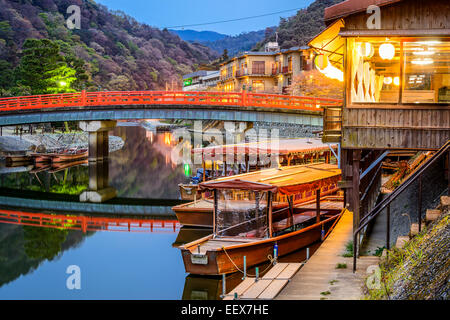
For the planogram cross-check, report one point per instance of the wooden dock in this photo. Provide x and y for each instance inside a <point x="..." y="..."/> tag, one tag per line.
<point x="320" y="279"/>
<point x="268" y="286"/>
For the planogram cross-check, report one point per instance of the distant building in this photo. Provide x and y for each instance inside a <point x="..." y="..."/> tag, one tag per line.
<point x="270" y="72"/>
<point x="200" y="80"/>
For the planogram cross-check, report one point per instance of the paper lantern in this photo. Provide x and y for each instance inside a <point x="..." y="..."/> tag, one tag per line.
<point x="387" y="80"/>
<point x="366" y="49"/>
<point x="397" y="81"/>
<point x="387" y="51"/>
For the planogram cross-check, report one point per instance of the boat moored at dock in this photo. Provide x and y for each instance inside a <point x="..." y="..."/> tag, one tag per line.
<point x="245" y="222"/>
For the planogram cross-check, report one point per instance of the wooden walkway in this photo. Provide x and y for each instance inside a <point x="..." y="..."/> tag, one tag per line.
<point x="267" y="287"/>
<point x="319" y="278"/>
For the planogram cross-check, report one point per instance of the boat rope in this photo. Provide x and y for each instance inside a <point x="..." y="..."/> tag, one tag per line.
<point x="269" y="257"/>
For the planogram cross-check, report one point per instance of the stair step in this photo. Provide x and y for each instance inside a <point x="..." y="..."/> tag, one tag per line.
<point x="432" y="214"/>
<point x="445" y="201"/>
<point x="401" y="241"/>
<point x="415" y="229"/>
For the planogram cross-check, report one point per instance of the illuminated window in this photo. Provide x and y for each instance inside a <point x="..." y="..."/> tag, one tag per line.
<point x="258" y="85"/>
<point x="375" y="71"/>
<point x="427" y="72"/>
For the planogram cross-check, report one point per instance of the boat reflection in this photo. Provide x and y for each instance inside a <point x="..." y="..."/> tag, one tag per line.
<point x="187" y="234"/>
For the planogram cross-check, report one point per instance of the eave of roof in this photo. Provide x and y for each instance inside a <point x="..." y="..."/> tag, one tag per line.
<point x="350" y="7"/>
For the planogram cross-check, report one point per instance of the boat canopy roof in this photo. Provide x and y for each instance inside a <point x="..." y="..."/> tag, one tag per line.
<point x="273" y="146"/>
<point x="284" y="180"/>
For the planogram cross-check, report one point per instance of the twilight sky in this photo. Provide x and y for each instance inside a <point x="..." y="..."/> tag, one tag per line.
<point x="168" y="13"/>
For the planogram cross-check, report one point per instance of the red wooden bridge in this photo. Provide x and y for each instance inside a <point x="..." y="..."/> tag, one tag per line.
<point x="88" y="223"/>
<point x="125" y="98"/>
<point x="229" y="106"/>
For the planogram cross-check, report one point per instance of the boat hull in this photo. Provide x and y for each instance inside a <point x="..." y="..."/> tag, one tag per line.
<point x="219" y="261"/>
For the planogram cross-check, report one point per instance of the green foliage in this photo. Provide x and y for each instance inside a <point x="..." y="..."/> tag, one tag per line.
<point x="298" y="30"/>
<point x="341" y="266"/>
<point x="43" y="243"/>
<point x="379" y="251"/>
<point x="348" y="249"/>
<point x="43" y="69"/>
<point x="7" y="76"/>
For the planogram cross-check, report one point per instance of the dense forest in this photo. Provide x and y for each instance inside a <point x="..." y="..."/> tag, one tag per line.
<point x="298" y="30"/>
<point x="111" y="51"/>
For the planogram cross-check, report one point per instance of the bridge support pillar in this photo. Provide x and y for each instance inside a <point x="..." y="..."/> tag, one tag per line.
<point x="99" y="190"/>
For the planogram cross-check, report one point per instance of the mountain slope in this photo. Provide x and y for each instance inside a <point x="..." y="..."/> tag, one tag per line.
<point x="198" y="36"/>
<point x="298" y="30"/>
<point x="119" y="52"/>
<point x="242" y="42"/>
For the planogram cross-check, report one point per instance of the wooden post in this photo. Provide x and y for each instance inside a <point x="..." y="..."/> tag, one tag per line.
<point x="204" y="168"/>
<point x="269" y="200"/>
<point x="355" y="200"/>
<point x="448" y="171"/>
<point x="318" y="205"/>
<point x="215" y="211"/>
<point x="388" y="226"/>
<point x="419" y="204"/>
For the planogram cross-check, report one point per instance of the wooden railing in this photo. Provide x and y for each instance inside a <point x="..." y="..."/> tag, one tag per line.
<point x="157" y="98"/>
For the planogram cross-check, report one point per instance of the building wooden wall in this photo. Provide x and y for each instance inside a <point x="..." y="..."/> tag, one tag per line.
<point x="407" y="15"/>
<point x="400" y="128"/>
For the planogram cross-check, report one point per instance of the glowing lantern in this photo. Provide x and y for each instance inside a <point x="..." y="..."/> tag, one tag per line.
<point x="321" y="61"/>
<point x="366" y="49"/>
<point x="387" y="80"/>
<point x="397" y="81"/>
<point x="324" y="66"/>
<point x="387" y="51"/>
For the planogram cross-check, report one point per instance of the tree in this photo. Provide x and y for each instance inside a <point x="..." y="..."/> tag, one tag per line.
<point x="6" y="77"/>
<point x="43" y="68"/>
<point x="225" y="55"/>
<point x="315" y="84"/>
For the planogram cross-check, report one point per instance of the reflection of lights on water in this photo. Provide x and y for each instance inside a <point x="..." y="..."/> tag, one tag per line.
<point x="187" y="170"/>
<point x="167" y="138"/>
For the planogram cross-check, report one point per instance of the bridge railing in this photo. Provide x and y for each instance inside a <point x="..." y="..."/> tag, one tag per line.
<point x="121" y="98"/>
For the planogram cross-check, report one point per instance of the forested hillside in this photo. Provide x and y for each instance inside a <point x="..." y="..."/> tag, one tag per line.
<point x="114" y="50"/>
<point x="299" y="29"/>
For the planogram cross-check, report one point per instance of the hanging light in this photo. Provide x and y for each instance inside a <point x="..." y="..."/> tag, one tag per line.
<point x="325" y="67"/>
<point x="366" y="49"/>
<point x="397" y="81"/>
<point x="423" y="61"/>
<point x="387" y="51"/>
<point x="387" y="80"/>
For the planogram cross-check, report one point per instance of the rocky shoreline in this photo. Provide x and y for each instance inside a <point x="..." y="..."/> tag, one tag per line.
<point x="50" y="142"/>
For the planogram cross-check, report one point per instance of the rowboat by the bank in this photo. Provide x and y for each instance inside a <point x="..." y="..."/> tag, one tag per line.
<point x="246" y="224"/>
<point x="58" y="157"/>
<point x="200" y="212"/>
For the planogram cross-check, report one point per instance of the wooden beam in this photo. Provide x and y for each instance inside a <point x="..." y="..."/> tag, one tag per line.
<point x="355" y="201"/>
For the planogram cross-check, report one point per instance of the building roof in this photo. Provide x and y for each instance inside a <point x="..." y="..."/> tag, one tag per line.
<point x="264" y="53"/>
<point x="280" y="147"/>
<point x="199" y="73"/>
<point x="349" y="7"/>
<point x="285" y="180"/>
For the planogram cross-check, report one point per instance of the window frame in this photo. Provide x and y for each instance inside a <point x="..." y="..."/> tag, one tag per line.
<point x="401" y="40"/>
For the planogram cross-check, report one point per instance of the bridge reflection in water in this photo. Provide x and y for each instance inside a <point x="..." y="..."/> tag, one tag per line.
<point x="89" y="223"/>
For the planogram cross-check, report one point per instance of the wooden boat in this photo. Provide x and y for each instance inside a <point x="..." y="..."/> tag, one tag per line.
<point x="286" y="152"/>
<point x="200" y="212"/>
<point x="248" y="226"/>
<point x="69" y="156"/>
<point x="17" y="160"/>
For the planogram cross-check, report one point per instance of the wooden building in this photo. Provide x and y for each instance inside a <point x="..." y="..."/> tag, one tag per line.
<point x="395" y="60"/>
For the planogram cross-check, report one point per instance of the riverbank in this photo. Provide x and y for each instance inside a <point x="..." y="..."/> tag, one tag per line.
<point x="50" y="142"/>
<point x="421" y="269"/>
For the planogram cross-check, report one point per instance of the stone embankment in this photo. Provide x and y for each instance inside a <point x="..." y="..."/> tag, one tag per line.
<point x="51" y="142"/>
<point x="419" y="270"/>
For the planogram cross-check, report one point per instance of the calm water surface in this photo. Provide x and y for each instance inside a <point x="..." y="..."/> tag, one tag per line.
<point x="135" y="264"/>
